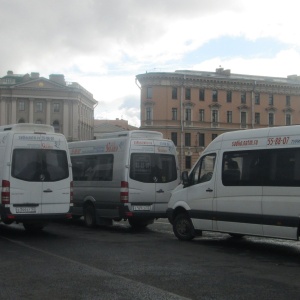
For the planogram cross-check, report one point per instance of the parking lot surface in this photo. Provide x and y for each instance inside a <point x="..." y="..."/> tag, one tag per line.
<point x="69" y="261"/>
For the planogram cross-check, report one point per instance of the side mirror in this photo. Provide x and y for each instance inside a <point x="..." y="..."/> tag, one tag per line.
<point x="185" y="178"/>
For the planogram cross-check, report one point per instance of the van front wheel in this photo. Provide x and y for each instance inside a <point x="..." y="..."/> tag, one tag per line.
<point x="90" y="216"/>
<point x="183" y="227"/>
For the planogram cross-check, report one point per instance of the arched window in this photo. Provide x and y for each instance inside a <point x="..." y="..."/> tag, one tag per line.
<point x="56" y="126"/>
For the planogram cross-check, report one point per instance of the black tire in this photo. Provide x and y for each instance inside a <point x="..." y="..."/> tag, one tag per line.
<point x="139" y="224"/>
<point x="90" y="216"/>
<point x="236" y="235"/>
<point x="183" y="227"/>
<point x="34" y="227"/>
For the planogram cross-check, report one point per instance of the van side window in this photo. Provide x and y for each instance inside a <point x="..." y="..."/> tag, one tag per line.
<point x="284" y="168"/>
<point x="274" y="167"/>
<point x="150" y="168"/>
<point x="242" y="168"/>
<point x="93" y="167"/>
<point x="204" y="169"/>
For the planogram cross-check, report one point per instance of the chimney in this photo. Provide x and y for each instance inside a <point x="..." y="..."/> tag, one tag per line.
<point x="35" y="75"/>
<point x="10" y="72"/>
<point x="58" y="78"/>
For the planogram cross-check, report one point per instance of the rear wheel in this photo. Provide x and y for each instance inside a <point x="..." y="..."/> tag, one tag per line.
<point x="34" y="226"/>
<point x="138" y="223"/>
<point x="183" y="227"/>
<point x="90" y="216"/>
<point x="236" y="235"/>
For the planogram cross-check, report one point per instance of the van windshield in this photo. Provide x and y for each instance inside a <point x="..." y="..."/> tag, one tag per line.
<point x="150" y="168"/>
<point x="39" y="165"/>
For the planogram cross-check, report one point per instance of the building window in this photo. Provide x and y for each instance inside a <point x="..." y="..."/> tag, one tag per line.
<point x="21" y="105"/>
<point x="229" y="116"/>
<point x="201" y="139"/>
<point x="229" y="96"/>
<point x="38" y="106"/>
<point x="56" y="126"/>
<point x="243" y="97"/>
<point x="56" y="107"/>
<point x="21" y="120"/>
<point x="271" y="99"/>
<point x="174" y="93"/>
<point x="215" y="116"/>
<point x="187" y="94"/>
<point x="213" y="136"/>
<point x="215" y="96"/>
<point x="288" y="101"/>
<point x="188" y="114"/>
<point x="288" y="119"/>
<point x="257" y="118"/>
<point x="174" y="113"/>
<point x="243" y="119"/>
<point x="201" y="94"/>
<point x="149" y="92"/>
<point x="174" y="138"/>
<point x="271" y="119"/>
<point x="38" y="121"/>
<point x="188" y="162"/>
<point x="148" y="113"/>
<point x="187" y="139"/>
<point x="201" y="115"/>
<point x="257" y="98"/>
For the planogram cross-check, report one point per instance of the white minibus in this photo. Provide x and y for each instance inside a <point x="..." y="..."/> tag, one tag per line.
<point x="245" y="183"/>
<point x="127" y="175"/>
<point x="35" y="175"/>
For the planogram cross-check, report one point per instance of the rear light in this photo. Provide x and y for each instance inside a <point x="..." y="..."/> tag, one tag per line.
<point x="124" y="192"/>
<point x="5" y="192"/>
<point x="71" y="193"/>
<point x="68" y="216"/>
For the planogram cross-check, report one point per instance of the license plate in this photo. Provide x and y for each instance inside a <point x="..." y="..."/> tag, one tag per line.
<point x="142" y="207"/>
<point x="24" y="210"/>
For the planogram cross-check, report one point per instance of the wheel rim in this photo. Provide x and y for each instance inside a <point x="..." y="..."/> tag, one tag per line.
<point x="183" y="227"/>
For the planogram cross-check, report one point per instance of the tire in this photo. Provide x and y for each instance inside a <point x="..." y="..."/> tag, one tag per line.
<point x="90" y="216"/>
<point x="139" y="224"/>
<point x="34" y="227"/>
<point x="236" y="235"/>
<point x="183" y="227"/>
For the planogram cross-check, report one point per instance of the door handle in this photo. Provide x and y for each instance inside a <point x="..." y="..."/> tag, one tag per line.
<point x="48" y="191"/>
<point x="160" y="191"/>
<point x="209" y="190"/>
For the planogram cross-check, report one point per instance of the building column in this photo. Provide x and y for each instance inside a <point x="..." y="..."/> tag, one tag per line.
<point x="65" y="119"/>
<point x="48" y="111"/>
<point x="3" y="115"/>
<point x="31" y="110"/>
<point x="13" y="110"/>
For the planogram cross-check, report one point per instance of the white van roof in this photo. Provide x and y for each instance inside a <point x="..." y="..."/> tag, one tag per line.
<point x="253" y="134"/>
<point x="143" y="134"/>
<point x="28" y="127"/>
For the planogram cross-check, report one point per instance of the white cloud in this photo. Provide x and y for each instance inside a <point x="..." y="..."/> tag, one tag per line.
<point x="103" y="44"/>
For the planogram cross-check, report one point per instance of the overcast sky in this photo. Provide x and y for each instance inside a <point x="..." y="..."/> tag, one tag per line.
<point x="104" y="44"/>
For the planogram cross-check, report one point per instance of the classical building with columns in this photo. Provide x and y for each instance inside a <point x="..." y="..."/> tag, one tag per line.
<point x="29" y="98"/>
<point x="193" y="107"/>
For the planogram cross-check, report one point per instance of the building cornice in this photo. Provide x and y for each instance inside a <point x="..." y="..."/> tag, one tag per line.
<point x="268" y="85"/>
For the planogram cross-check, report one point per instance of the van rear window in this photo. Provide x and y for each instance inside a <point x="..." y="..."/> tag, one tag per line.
<point x="150" y="168"/>
<point x="39" y="165"/>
